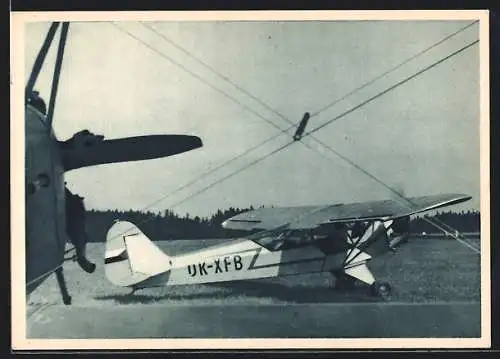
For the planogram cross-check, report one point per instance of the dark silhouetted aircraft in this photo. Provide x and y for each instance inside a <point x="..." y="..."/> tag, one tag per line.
<point x="48" y="203"/>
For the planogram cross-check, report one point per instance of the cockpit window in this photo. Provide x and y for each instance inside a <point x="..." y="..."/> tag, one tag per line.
<point x="285" y="239"/>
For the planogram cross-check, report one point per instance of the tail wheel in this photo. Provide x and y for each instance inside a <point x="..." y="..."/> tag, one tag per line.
<point x="381" y="289"/>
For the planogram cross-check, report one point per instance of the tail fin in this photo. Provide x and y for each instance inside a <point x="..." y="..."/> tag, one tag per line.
<point x="131" y="257"/>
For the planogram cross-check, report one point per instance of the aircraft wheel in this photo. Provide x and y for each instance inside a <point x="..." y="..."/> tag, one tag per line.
<point x="381" y="289"/>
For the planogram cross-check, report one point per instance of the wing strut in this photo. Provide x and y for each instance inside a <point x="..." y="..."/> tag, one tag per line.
<point x="42" y="54"/>
<point x="57" y="71"/>
<point x="40" y="59"/>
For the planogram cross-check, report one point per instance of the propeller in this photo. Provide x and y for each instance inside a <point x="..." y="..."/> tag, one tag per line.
<point x="400" y="226"/>
<point x="86" y="149"/>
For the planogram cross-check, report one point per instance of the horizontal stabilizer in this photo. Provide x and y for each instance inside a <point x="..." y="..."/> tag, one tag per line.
<point x="128" y="149"/>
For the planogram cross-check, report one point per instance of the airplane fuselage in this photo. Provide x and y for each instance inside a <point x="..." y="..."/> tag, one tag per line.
<point x="133" y="261"/>
<point x="247" y="260"/>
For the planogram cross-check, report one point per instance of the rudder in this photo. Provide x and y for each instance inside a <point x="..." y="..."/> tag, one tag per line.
<point x="130" y="257"/>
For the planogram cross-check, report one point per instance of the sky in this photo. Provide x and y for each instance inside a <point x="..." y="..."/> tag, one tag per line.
<point x="226" y="82"/>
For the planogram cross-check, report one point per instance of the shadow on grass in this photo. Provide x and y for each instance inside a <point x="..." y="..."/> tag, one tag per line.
<point x="254" y="289"/>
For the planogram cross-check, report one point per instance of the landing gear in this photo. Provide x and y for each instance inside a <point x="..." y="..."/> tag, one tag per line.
<point x="85" y="264"/>
<point x="132" y="292"/>
<point x="62" y="285"/>
<point x="343" y="281"/>
<point x="381" y="289"/>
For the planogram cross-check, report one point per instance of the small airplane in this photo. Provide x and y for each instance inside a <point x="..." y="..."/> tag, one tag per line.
<point x="47" y="159"/>
<point x="339" y="238"/>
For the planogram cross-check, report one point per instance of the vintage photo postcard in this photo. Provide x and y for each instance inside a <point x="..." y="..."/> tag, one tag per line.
<point x="272" y="179"/>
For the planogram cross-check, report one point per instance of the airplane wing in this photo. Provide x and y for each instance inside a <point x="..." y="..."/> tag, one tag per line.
<point x="309" y="217"/>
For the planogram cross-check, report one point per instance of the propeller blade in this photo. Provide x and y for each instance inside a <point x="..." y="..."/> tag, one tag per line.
<point x="81" y="154"/>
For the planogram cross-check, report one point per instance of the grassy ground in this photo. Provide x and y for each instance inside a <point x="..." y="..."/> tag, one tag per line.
<point x="421" y="271"/>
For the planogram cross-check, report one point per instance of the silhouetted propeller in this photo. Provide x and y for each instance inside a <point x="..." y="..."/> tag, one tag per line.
<point x="85" y="149"/>
<point x="401" y="231"/>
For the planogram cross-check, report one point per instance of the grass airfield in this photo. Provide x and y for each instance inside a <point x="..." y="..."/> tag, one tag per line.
<point x="422" y="272"/>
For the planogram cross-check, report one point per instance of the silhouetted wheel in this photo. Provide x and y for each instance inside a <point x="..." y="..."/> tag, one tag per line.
<point x="381" y="289"/>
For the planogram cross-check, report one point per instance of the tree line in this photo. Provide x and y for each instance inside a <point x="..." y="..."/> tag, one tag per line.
<point x="464" y="221"/>
<point x="168" y="225"/>
<point x="165" y="225"/>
